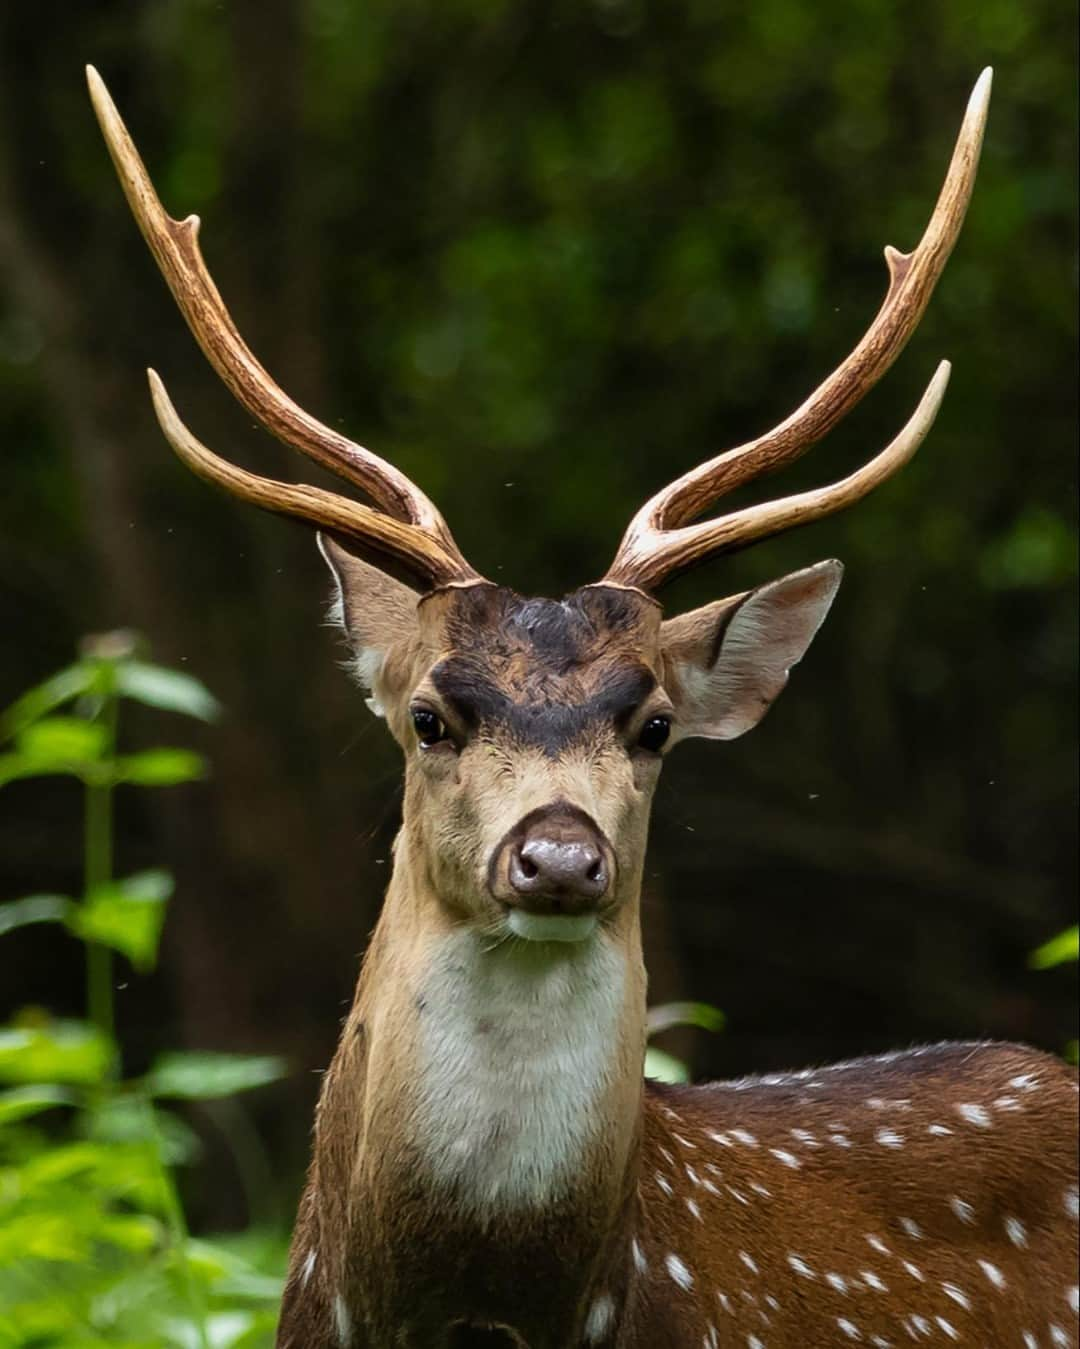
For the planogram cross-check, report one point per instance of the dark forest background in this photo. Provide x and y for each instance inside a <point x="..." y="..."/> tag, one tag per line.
<point x="544" y="256"/>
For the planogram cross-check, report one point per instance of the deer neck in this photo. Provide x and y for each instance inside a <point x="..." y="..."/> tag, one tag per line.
<point x="511" y="1067"/>
<point x="487" y="1087"/>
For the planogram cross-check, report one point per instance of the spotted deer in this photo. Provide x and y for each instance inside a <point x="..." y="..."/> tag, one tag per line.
<point x="490" y="1168"/>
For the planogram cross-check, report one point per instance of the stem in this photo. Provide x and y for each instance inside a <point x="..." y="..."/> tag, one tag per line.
<point x="98" y="862"/>
<point x="178" y="1229"/>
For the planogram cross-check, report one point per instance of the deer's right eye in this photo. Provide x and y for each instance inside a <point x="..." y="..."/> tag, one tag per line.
<point x="429" y="728"/>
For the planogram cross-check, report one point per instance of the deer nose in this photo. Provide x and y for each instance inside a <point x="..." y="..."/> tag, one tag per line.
<point x="558" y="868"/>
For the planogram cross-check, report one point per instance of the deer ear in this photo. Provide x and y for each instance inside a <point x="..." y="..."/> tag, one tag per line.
<point x="724" y="664"/>
<point x="374" y="609"/>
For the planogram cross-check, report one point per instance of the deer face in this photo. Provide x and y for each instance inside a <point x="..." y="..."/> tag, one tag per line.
<point x="534" y="730"/>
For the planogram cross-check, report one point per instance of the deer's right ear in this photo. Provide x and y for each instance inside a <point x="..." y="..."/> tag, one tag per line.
<point x="374" y="609"/>
<point x="725" y="663"/>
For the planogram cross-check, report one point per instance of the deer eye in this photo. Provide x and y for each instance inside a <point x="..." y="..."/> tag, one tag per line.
<point x="654" y="734"/>
<point x="429" y="728"/>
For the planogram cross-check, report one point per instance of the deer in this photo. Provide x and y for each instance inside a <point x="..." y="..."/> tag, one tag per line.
<point x="490" y="1166"/>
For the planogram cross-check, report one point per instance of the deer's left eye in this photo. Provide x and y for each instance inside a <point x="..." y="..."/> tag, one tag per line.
<point x="429" y="728"/>
<point x="654" y="734"/>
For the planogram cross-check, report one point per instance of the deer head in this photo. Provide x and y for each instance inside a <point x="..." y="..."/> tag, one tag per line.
<point x="534" y="730"/>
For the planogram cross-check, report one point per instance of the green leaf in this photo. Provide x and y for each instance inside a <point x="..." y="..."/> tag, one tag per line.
<point x="34" y="909"/>
<point x="21" y="1102"/>
<point x="127" y="916"/>
<point x="203" y="1075"/>
<point x="1065" y="946"/>
<point x="699" y="1014"/>
<point x="43" y="1236"/>
<point x="62" y="742"/>
<point x="127" y="1117"/>
<point x="59" y="1051"/>
<point x="663" y="1067"/>
<point x="171" y="690"/>
<point x="38" y="702"/>
<point x="160" y="767"/>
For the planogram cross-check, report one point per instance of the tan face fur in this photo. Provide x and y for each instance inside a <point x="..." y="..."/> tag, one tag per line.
<point x="511" y="711"/>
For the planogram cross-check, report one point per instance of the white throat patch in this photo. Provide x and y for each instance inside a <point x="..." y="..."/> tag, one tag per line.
<point x="518" y="1044"/>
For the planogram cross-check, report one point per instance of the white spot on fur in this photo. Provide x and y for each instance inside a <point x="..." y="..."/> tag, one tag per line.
<point x="957" y="1294"/>
<point x="1072" y="1296"/>
<point x="872" y="1281"/>
<point x="598" y="1322"/>
<point x="992" y="1273"/>
<point x="963" y="1210"/>
<point x="1016" y="1232"/>
<point x="308" y="1268"/>
<point x="889" y="1138"/>
<point x="837" y="1281"/>
<point x="975" y="1114"/>
<point x="850" y="1329"/>
<point x="939" y="1130"/>
<point x="947" y="1327"/>
<point x="640" y="1263"/>
<point x="678" y="1271"/>
<point x="664" y="1183"/>
<point x="505" y="1115"/>
<point x="912" y="1228"/>
<point x="799" y="1265"/>
<point x="749" y="1261"/>
<point x="788" y="1158"/>
<point x="1072" y="1202"/>
<point x="342" y="1322"/>
<point x="744" y="1136"/>
<point x="914" y="1271"/>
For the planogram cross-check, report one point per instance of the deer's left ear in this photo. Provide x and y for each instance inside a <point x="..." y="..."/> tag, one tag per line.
<point x="724" y="664"/>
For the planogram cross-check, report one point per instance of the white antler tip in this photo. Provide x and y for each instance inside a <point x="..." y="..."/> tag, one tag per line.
<point x="161" y="400"/>
<point x="979" y="101"/>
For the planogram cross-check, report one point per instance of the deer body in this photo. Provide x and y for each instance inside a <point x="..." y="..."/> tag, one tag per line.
<point x="489" y="1168"/>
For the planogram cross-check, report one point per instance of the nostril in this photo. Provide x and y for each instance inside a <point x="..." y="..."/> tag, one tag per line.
<point x="527" y="867"/>
<point x="595" y="873"/>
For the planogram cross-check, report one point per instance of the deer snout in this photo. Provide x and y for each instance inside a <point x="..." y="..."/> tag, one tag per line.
<point x="551" y="872"/>
<point x="558" y="870"/>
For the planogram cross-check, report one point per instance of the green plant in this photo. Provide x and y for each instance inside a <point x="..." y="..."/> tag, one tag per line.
<point x="660" y="1065"/>
<point x="94" y="1244"/>
<point x="1059" y="950"/>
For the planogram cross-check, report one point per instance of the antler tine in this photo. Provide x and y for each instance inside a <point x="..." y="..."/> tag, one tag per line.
<point x="414" y="548"/>
<point x="660" y="554"/>
<point x="656" y="546"/>
<point x="175" y="246"/>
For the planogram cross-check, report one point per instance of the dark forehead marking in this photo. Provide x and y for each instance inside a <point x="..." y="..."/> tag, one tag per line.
<point x="557" y="634"/>
<point x="545" y="671"/>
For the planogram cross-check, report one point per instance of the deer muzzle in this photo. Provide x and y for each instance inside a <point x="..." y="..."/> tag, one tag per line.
<point x="551" y="873"/>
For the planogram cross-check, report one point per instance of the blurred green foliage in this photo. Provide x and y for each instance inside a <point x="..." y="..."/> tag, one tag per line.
<point x="94" y="1244"/>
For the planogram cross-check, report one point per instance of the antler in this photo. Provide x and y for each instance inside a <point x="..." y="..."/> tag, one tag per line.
<point x="661" y="540"/>
<point x="407" y="527"/>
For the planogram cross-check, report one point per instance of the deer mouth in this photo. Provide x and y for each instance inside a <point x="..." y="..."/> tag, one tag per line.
<point x="551" y="927"/>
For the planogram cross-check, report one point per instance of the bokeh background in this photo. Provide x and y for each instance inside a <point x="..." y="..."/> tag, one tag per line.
<point x="544" y="256"/>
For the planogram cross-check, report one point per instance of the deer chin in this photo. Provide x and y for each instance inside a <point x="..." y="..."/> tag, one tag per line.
<point x="551" y="927"/>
